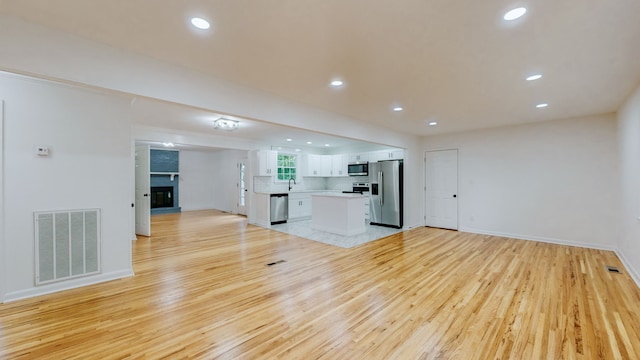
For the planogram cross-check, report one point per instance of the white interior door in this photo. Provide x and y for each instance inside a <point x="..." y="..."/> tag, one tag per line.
<point x="242" y="187"/>
<point x="441" y="195"/>
<point x="143" y="189"/>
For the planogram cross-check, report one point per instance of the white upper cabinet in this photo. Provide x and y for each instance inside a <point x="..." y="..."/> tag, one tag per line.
<point x="359" y="157"/>
<point x="318" y="165"/>
<point x="327" y="165"/>
<point x="268" y="162"/>
<point x="339" y="165"/>
<point x="386" y="155"/>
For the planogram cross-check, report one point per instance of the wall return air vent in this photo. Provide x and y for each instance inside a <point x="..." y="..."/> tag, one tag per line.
<point x="67" y="244"/>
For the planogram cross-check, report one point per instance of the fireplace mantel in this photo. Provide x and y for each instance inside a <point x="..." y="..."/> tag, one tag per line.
<point x="171" y="174"/>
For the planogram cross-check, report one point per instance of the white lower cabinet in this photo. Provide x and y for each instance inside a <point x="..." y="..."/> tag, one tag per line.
<point x="299" y="206"/>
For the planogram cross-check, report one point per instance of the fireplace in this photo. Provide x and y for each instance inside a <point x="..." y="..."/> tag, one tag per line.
<point x="162" y="197"/>
<point x="165" y="194"/>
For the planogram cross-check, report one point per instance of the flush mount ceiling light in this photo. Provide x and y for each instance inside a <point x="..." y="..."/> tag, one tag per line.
<point x="168" y="144"/>
<point x="226" y="124"/>
<point x="534" y="77"/>
<point x="515" y="13"/>
<point x="337" y="83"/>
<point x="543" y="105"/>
<point x="309" y="143"/>
<point x="327" y="145"/>
<point x="433" y="123"/>
<point x="200" y="23"/>
<point x="289" y="139"/>
<point x="398" y="108"/>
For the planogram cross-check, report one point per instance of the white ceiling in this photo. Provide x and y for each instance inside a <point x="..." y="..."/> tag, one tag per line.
<point x="455" y="62"/>
<point x="155" y="113"/>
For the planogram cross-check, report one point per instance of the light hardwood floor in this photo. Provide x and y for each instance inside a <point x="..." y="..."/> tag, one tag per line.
<point x="203" y="290"/>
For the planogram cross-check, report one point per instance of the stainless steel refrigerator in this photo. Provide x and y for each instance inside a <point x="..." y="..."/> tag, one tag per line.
<point x="385" y="180"/>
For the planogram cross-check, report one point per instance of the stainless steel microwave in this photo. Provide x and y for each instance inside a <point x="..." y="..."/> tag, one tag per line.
<point x="358" y="169"/>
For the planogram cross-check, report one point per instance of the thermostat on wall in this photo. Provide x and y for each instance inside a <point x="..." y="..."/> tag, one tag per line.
<point x="42" y="151"/>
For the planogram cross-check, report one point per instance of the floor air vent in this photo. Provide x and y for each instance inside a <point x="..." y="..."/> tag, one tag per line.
<point x="276" y="262"/>
<point x="613" y="269"/>
<point x="67" y="244"/>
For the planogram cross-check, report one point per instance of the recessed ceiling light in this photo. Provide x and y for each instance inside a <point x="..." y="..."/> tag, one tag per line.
<point x="398" y="108"/>
<point x="289" y="139"/>
<point x="200" y="23"/>
<point x="327" y="145"/>
<point x="309" y="143"/>
<point x="543" y="105"/>
<point x="515" y="13"/>
<point x="433" y="123"/>
<point x="534" y="77"/>
<point x="337" y="83"/>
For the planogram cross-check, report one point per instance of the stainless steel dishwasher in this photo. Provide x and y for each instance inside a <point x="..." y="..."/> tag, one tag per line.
<point x="279" y="208"/>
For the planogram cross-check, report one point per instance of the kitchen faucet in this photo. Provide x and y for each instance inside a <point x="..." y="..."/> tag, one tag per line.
<point x="294" y="183"/>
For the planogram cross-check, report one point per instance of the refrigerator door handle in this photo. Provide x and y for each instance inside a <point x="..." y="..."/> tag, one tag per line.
<point x="381" y="177"/>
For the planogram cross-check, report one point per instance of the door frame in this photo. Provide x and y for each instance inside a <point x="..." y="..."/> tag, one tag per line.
<point x="424" y="182"/>
<point x="3" y="262"/>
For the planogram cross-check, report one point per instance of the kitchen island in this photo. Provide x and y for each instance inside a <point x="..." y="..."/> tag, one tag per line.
<point x="338" y="213"/>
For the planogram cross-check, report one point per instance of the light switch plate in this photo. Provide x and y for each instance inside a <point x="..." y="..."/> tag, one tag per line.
<point x="42" y="151"/>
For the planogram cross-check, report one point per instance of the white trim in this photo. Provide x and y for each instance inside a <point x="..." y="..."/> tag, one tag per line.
<point x="3" y="260"/>
<point x="635" y="275"/>
<point x="132" y="221"/>
<point x="540" y="239"/>
<point x="67" y="285"/>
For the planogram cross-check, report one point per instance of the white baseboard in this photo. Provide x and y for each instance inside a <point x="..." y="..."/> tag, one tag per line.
<point x="409" y="227"/>
<point x="635" y="275"/>
<point x="66" y="285"/>
<point x="197" y="208"/>
<point x="540" y="239"/>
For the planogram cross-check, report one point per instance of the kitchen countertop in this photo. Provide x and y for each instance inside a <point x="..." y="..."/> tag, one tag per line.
<point x="298" y="192"/>
<point x="341" y="195"/>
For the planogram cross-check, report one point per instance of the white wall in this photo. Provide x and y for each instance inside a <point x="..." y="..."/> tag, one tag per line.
<point x="208" y="179"/>
<point x="629" y="140"/>
<point x="89" y="167"/>
<point x="554" y="181"/>
<point x="197" y="169"/>
<point x="225" y="179"/>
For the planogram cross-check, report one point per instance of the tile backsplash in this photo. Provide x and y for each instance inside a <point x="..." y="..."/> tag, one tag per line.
<point x="266" y="184"/>
<point x="345" y="183"/>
